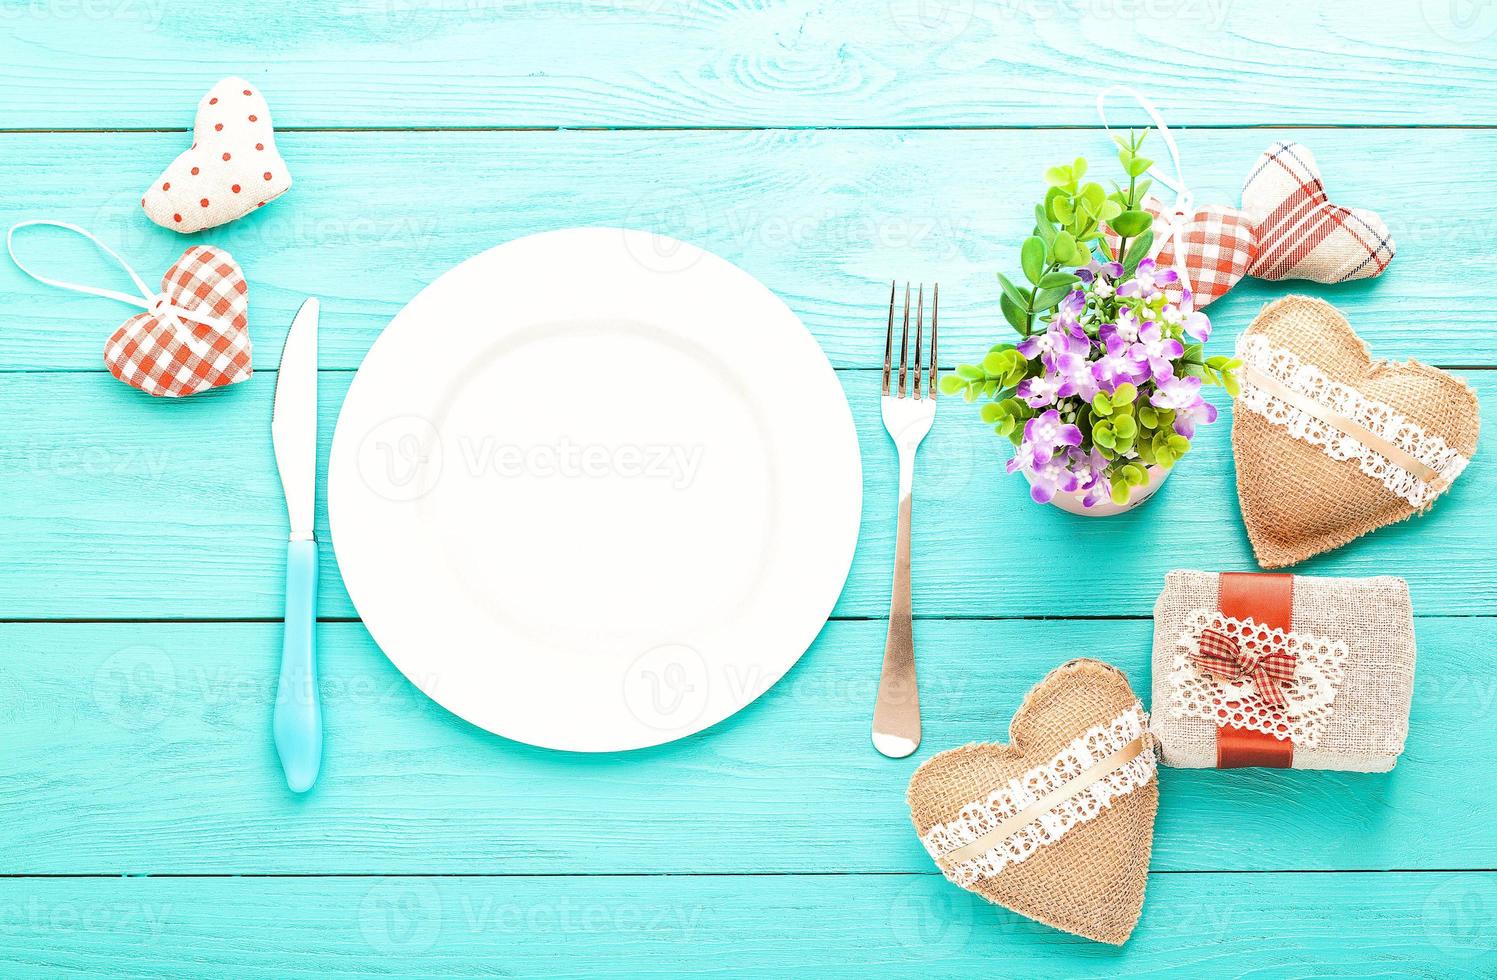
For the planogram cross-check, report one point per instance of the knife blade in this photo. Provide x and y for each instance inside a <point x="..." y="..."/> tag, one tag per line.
<point x="293" y="421"/>
<point x="297" y="722"/>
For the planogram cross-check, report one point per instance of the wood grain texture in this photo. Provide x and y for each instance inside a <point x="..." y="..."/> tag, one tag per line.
<point x="118" y="505"/>
<point x="748" y="62"/>
<point x="145" y="748"/>
<point x="1409" y="924"/>
<point x="825" y="219"/>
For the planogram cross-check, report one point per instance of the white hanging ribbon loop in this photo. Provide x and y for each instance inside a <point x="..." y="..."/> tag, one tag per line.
<point x="159" y="304"/>
<point x="1184" y="207"/>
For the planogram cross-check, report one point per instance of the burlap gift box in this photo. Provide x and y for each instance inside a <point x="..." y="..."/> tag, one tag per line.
<point x="1347" y="705"/>
<point x="1057" y="825"/>
<point x="1330" y="444"/>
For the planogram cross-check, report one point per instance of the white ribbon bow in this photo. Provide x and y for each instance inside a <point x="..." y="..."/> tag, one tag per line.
<point x="1184" y="206"/>
<point x="159" y="304"/>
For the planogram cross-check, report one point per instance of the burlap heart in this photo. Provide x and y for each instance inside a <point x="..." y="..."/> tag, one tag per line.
<point x="1081" y="863"/>
<point x="1307" y="485"/>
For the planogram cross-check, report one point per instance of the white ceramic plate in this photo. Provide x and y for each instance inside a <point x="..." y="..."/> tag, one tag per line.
<point x="595" y="489"/>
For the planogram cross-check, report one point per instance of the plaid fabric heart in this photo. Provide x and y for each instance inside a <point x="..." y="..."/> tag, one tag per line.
<point x="164" y="352"/>
<point x="1301" y="234"/>
<point x="1218" y="247"/>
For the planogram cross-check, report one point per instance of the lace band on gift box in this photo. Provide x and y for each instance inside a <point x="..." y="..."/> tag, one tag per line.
<point x="1320" y="667"/>
<point x="1043" y="804"/>
<point x="1345" y="424"/>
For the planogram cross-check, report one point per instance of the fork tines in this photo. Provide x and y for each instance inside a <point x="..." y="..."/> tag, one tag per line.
<point x="904" y="340"/>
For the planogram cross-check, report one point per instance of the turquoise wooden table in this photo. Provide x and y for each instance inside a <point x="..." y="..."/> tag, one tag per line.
<point x="826" y="148"/>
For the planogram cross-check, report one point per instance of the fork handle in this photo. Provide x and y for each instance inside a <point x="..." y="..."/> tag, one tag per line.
<point x="896" y="715"/>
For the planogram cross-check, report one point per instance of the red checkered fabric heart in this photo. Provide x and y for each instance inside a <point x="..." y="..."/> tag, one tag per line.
<point x="164" y="353"/>
<point x="1219" y="245"/>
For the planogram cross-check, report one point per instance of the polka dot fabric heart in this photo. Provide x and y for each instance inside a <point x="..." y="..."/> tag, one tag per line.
<point x="170" y="356"/>
<point x="231" y="169"/>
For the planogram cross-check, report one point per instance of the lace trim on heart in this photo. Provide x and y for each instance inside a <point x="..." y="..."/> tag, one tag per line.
<point x="1381" y="418"/>
<point x="976" y="818"/>
<point x="1320" y="667"/>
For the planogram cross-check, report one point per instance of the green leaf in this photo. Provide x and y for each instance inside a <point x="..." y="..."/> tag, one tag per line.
<point x="1057" y="279"/>
<point x="1043" y="225"/>
<point x="1078" y="168"/>
<point x="990" y="412"/>
<point x="970" y="372"/>
<point x="1124" y="394"/>
<point x="1016" y="317"/>
<point x="1194" y="371"/>
<point x="1059" y="176"/>
<point x="1125" y="427"/>
<point x="1102" y="435"/>
<point x="1014" y="293"/>
<point x="1229" y="382"/>
<point x="1101" y="405"/>
<point x="1063" y="249"/>
<point x="1147" y="417"/>
<point x="1083" y="257"/>
<point x="997" y="365"/>
<point x="1047" y="298"/>
<point x="1051" y="196"/>
<point x="1136" y="475"/>
<point x="1140" y="190"/>
<point x="1094" y="196"/>
<point x="1138" y="250"/>
<point x="952" y="383"/>
<point x="1192" y="353"/>
<point x="1110" y="210"/>
<point x="1138" y="166"/>
<point x="1132" y="223"/>
<point x="1120" y="491"/>
<point x="1179" y="445"/>
<point x="1032" y="258"/>
<point x="1062" y="207"/>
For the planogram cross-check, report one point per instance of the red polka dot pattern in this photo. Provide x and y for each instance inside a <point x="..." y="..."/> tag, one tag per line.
<point x="204" y="186"/>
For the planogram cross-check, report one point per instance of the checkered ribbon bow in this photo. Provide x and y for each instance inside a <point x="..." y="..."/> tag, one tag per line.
<point x="1224" y="658"/>
<point x="193" y="335"/>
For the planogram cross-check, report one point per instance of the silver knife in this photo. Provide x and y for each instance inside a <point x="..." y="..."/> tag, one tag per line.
<point x="293" y="429"/>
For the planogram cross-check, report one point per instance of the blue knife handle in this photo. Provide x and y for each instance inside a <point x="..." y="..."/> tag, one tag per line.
<point x="298" y="705"/>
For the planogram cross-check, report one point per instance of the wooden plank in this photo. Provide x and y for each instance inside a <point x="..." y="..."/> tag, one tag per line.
<point x="117" y="505"/>
<point x="840" y="926"/>
<point x="825" y="219"/>
<point x="145" y="749"/>
<point x="748" y="62"/>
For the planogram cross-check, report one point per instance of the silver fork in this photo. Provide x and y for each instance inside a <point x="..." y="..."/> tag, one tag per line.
<point x="908" y="414"/>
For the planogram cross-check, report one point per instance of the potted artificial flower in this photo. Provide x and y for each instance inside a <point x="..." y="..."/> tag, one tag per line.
<point x="1101" y="392"/>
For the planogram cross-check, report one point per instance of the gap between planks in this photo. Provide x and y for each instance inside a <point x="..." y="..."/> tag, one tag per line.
<point x="355" y="875"/>
<point x="954" y="128"/>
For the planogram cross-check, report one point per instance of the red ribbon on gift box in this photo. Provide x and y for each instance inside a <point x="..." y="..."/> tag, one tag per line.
<point x="1267" y="599"/>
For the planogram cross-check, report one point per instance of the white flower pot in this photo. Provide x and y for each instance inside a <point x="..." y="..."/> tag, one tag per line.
<point x="1071" y="502"/>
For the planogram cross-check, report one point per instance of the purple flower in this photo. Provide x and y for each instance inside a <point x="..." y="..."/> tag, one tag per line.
<point x="1183" y="395"/>
<point x="1038" y="391"/>
<point x="1050" y="477"/>
<point x="1043" y="435"/>
<point x="1057" y="339"/>
<point x="1090" y="470"/>
<point x="1096" y="268"/>
<point x="1068" y="313"/>
<point x="1127" y="326"/>
<point x="1122" y="362"/>
<point x="1160" y="350"/>
<point x="1197" y="325"/>
<point x="1074" y="372"/>
<point x="1148" y="279"/>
